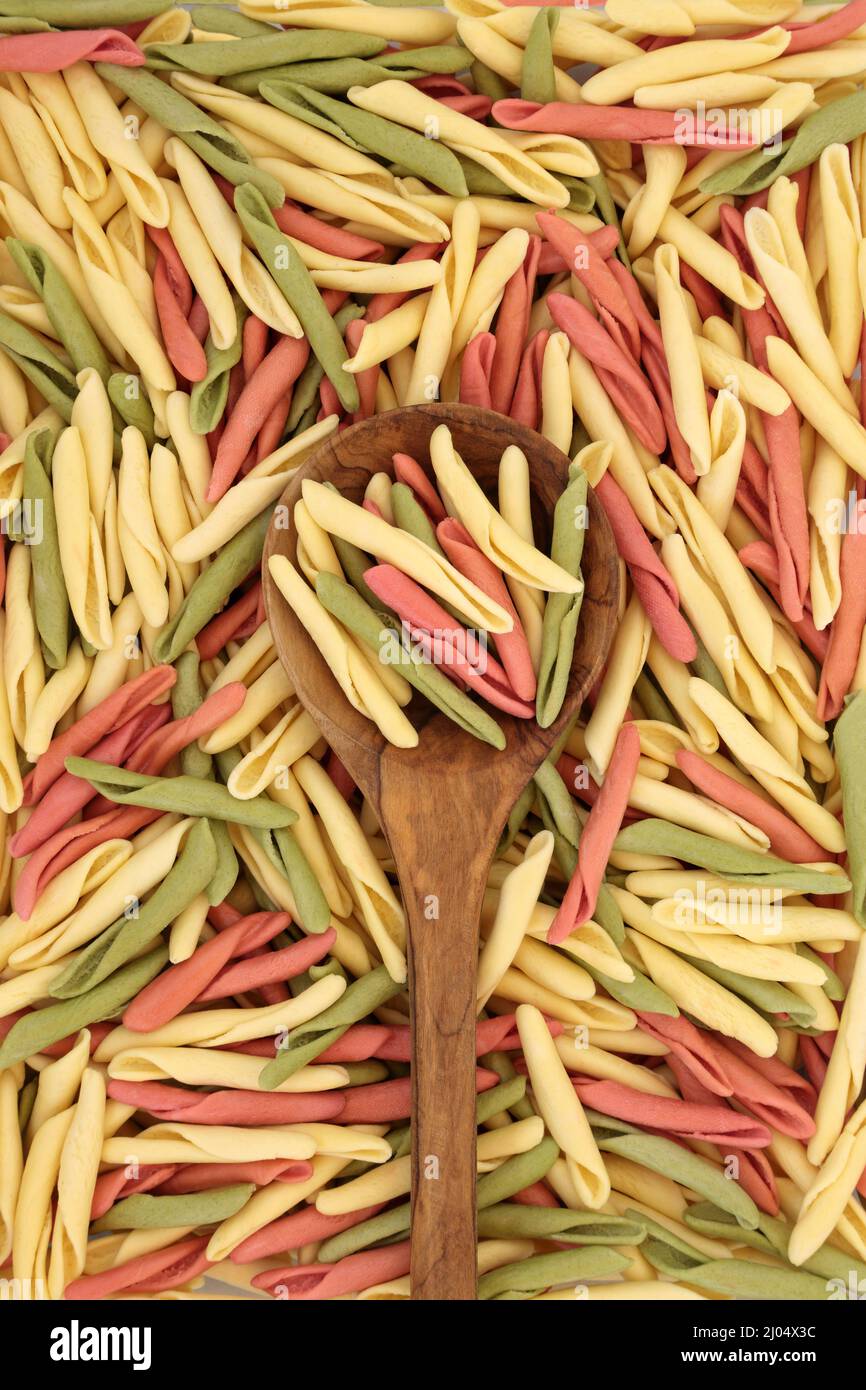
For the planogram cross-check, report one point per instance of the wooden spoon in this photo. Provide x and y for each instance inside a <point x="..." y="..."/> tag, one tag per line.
<point x="442" y="805"/>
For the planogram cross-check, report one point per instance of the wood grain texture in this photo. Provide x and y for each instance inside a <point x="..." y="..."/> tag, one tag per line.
<point x="442" y="805"/>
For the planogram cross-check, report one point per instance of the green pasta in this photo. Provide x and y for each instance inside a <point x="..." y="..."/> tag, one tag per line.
<point x="186" y="696"/>
<point x="210" y="140"/>
<point x="558" y="815"/>
<point x="296" y="283"/>
<point x="544" y="1271"/>
<point x="144" y="1212"/>
<point x="509" y="1220"/>
<point x="562" y="611"/>
<point x="832" y="986"/>
<point x="653" y="703"/>
<point x="50" y="599"/>
<point x="849" y="748"/>
<point x="308" y="419"/>
<point x="608" y="915"/>
<point x="429" y="159"/>
<point x="329" y="75"/>
<point x="305" y="1043"/>
<point x="747" y="866"/>
<point x="339" y="73"/>
<point x="741" y="1279"/>
<point x="582" y="199"/>
<point x="522" y="1170"/>
<point x="39" y="364"/>
<point x="489" y="83"/>
<point x="67" y="318"/>
<point x="744" y="1280"/>
<point x="26" y="1102"/>
<point x="502" y="1097"/>
<point x="305" y="396"/>
<point x="85" y="14"/>
<point x="438" y="58"/>
<point x="184" y="796"/>
<point x="38" y="1030"/>
<point x="772" y="1237"/>
<point x="234" y="562"/>
<point x="340" y="599"/>
<point x="375" y="1230"/>
<point x="355" y="563"/>
<point x="500" y="1062"/>
<point x="16" y="24"/>
<point x="127" y="395"/>
<point x="665" y="1157"/>
<point x="208" y="397"/>
<point x="519" y="812"/>
<point x="481" y="182"/>
<point x="127" y="937"/>
<point x="222" y="19"/>
<point x="314" y="914"/>
<point x="410" y="516"/>
<point x="706" y="669"/>
<point x="276" y="48"/>
<point x="538" y="74"/>
<point x="289" y="860"/>
<point x="640" y="993"/>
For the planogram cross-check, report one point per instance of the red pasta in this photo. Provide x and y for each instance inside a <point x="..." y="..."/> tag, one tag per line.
<point x="43" y="52"/>
<point x="616" y="123"/>
<point x="244" y="1108"/>
<point x="714" y="1124"/>
<point x="475" y="369"/>
<point x="350" y="1275"/>
<point x="617" y="370"/>
<point x="653" y="584"/>
<point x="512" y="647"/>
<point x="166" y="996"/>
<point x="161" y="1269"/>
<point x="120" y="705"/>
<point x="172" y="289"/>
<point x="787" y="839"/>
<point x="597" y="837"/>
<point x="296" y="1230"/>
<point x="512" y="322"/>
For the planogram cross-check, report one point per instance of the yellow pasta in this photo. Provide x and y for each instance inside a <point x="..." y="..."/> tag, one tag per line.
<point x="517" y="898"/>
<point x="561" y="1110"/>
<point x="109" y="135"/>
<point x="76" y="1179"/>
<point x="494" y="537"/>
<point x="222" y="231"/>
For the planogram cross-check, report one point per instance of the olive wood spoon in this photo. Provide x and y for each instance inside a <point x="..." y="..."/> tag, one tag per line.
<point x="442" y="805"/>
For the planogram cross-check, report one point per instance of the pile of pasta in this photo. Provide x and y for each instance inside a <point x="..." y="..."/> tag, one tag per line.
<point x="439" y="569"/>
<point x="229" y="233"/>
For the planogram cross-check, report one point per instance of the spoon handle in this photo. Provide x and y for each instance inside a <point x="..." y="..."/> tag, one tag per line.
<point x="443" y="863"/>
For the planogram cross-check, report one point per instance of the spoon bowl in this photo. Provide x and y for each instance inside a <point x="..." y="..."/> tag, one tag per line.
<point x="443" y="804"/>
